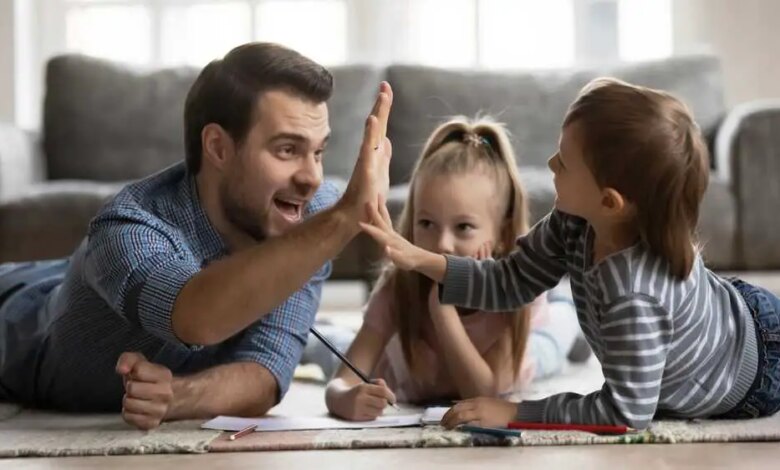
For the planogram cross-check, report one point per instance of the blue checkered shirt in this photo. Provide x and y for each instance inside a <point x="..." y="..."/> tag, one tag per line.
<point x="118" y="294"/>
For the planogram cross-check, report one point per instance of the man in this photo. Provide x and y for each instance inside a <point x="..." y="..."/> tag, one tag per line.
<point x="194" y="290"/>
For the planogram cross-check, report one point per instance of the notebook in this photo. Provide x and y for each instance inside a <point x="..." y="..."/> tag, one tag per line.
<point x="305" y="423"/>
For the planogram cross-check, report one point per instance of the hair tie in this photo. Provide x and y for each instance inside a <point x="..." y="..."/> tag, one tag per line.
<point x="471" y="138"/>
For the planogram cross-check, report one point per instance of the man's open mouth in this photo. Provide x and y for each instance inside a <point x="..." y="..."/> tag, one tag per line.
<point x="290" y="209"/>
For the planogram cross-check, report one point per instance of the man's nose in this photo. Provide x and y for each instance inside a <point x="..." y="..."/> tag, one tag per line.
<point x="309" y="174"/>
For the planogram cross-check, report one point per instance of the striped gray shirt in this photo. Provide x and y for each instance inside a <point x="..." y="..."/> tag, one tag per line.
<point x="666" y="346"/>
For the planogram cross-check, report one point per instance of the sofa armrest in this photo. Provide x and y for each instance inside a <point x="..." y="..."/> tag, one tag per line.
<point x="50" y="219"/>
<point x="21" y="160"/>
<point x="747" y="156"/>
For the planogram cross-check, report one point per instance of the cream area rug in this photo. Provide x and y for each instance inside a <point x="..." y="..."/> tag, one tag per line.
<point x="307" y="399"/>
<point x="35" y="433"/>
<point x="31" y="433"/>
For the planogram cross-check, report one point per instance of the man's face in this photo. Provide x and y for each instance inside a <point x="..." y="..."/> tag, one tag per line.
<point x="278" y="168"/>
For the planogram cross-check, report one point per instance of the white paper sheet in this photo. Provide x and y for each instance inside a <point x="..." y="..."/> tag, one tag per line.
<point x="433" y="415"/>
<point x="302" y="423"/>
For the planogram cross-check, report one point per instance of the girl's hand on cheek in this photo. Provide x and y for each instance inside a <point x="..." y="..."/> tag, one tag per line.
<point x="485" y="251"/>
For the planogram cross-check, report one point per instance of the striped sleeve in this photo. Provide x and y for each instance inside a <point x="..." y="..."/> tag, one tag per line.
<point x="637" y="334"/>
<point x="511" y="282"/>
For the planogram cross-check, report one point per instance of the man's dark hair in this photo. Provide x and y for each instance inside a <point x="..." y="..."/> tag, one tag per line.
<point x="227" y="90"/>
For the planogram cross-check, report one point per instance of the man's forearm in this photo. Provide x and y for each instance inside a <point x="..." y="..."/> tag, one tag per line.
<point x="233" y="293"/>
<point x="237" y="389"/>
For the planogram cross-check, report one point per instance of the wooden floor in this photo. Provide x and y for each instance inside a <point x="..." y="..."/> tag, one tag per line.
<point x="656" y="457"/>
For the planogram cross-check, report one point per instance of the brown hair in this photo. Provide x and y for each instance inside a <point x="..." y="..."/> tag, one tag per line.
<point x="227" y="90"/>
<point x="645" y="144"/>
<point x="456" y="147"/>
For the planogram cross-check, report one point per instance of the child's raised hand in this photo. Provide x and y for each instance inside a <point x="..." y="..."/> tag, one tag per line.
<point x="482" y="411"/>
<point x="485" y="251"/>
<point x="401" y="251"/>
<point x="366" y="402"/>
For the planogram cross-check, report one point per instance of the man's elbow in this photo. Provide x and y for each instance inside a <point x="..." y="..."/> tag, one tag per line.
<point x="189" y="330"/>
<point x="257" y="408"/>
<point x="195" y="335"/>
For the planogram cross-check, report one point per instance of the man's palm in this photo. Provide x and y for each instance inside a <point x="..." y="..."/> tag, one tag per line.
<point x="371" y="176"/>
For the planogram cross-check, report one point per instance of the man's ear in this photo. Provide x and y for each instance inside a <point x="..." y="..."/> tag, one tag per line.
<point x="218" y="146"/>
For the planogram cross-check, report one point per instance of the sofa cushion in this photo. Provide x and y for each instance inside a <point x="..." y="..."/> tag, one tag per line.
<point x="105" y="122"/>
<point x="531" y="104"/>
<point x="108" y="122"/>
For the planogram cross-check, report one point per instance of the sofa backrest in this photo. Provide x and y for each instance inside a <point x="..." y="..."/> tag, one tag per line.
<point x="531" y="104"/>
<point x="107" y="122"/>
<point x="103" y="121"/>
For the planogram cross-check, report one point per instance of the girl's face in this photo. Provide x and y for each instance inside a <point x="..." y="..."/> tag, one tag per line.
<point x="576" y="190"/>
<point x="457" y="214"/>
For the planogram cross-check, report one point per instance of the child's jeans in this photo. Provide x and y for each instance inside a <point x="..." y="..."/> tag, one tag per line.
<point x="763" y="397"/>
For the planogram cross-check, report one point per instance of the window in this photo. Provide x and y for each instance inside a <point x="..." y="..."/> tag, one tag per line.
<point x="173" y="32"/>
<point x="492" y="34"/>
<point x="448" y="33"/>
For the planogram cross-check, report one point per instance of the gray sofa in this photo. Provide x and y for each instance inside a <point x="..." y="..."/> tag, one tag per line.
<point x="105" y="125"/>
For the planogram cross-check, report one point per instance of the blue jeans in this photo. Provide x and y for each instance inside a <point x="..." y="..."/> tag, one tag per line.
<point x="23" y="289"/>
<point x="763" y="397"/>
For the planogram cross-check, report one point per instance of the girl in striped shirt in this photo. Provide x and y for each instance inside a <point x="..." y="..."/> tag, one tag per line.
<point x="673" y="338"/>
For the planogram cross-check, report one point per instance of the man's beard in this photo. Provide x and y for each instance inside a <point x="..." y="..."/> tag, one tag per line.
<point x="240" y="215"/>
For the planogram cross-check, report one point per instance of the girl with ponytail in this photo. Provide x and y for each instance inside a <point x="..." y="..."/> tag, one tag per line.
<point x="465" y="199"/>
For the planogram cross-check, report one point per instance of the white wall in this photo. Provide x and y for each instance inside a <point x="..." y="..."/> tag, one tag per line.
<point x="7" y="69"/>
<point x="746" y="36"/>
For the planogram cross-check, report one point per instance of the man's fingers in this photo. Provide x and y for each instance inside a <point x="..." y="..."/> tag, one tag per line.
<point x="127" y="361"/>
<point x="148" y="391"/>
<point x="388" y="149"/>
<point x="143" y="407"/>
<point x="370" y="135"/>
<point x="382" y="105"/>
<point x="150" y="372"/>
<point x="377" y="234"/>
<point x="384" y="212"/>
<point x="141" y="421"/>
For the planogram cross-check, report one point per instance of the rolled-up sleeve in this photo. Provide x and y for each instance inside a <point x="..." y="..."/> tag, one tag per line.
<point x="138" y="269"/>
<point x="276" y="342"/>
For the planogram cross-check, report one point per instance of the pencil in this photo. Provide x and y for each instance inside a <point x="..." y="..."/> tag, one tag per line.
<point x="344" y="359"/>
<point x="242" y="432"/>
<point x="594" y="428"/>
